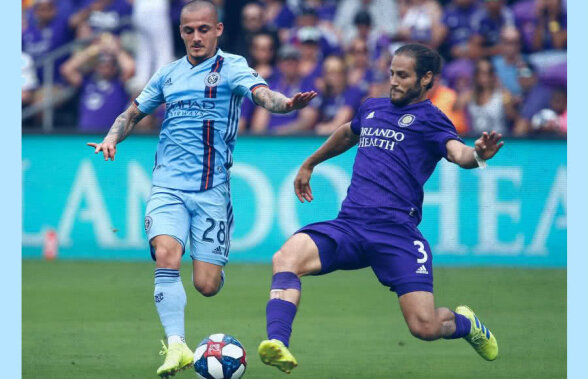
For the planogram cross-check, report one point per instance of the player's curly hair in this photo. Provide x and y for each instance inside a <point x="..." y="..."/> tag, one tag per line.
<point x="426" y="59"/>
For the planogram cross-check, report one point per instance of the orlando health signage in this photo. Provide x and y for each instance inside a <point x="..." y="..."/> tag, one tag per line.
<point x="512" y="213"/>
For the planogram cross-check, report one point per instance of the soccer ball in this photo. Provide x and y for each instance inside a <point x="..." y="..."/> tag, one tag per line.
<point x="220" y="356"/>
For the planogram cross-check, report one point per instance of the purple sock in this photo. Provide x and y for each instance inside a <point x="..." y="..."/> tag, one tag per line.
<point x="280" y="315"/>
<point x="462" y="327"/>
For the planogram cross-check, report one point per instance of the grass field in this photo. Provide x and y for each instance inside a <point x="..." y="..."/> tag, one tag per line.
<point x="97" y="320"/>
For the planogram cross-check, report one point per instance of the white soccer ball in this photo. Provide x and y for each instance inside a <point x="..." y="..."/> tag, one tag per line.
<point x="543" y="118"/>
<point x="220" y="356"/>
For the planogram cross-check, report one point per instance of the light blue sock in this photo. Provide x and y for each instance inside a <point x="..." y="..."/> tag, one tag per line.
<point x="170" y="300"/>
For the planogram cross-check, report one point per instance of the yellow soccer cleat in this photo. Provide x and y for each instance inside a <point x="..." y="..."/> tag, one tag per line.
<point x="275" y="353"/>
<point x="480" y="337"/>
<point x="178" y="356"/>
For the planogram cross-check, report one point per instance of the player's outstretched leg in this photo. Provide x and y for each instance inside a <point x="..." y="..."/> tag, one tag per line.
<point x="170" y="301"/>
<point x="479" y="336"/>
<point x="298" y="257"/>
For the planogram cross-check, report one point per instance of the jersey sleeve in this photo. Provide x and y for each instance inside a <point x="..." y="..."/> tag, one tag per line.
<point x="152" y="95"/>
<point x="243" y="80"/>
<point x="440" y="131"/>
<point x="356" y="121"/>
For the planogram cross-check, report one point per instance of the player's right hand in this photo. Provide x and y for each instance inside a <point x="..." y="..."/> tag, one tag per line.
<point x="107" y="147"/>
<point x="302" y="184"/>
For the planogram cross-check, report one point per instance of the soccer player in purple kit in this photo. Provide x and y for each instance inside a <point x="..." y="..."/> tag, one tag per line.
<point x="400" y="140"/>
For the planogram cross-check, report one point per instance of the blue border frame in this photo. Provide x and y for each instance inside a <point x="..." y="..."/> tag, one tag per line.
<point x="10" y="201"/>
<point x="577" y="190"/>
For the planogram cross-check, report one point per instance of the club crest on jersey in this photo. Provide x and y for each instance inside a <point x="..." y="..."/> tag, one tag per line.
<point x="212" y="79"/>
<point x="148" y="222"/>
<point x="406" y="120"/>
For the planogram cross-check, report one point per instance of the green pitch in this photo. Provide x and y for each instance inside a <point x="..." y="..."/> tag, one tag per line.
<point x="97" y="320"/>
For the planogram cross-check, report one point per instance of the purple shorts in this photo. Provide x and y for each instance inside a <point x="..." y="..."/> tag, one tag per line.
<point x="398" y="254"/>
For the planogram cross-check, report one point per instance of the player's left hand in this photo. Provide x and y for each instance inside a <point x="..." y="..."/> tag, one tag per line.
<point x="300" y="100"/>
<point x="488" y="145"/>
<point x="302" y="184"/>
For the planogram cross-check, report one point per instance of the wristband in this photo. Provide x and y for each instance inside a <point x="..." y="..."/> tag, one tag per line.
<point x="481" y="162"/>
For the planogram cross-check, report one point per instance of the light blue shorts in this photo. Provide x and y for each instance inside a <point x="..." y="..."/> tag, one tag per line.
<point x="206" y="217"/>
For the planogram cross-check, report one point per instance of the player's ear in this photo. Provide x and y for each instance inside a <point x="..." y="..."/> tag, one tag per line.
<point x="427" y="79"/>
<point x="220" y="27"/>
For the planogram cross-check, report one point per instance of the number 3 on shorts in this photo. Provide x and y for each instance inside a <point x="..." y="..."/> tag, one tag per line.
<point x="422" y="251"/>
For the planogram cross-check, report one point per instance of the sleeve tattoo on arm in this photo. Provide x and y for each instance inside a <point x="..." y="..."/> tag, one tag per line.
<point x="124" y="124"/>
<point x="273" y="101"/>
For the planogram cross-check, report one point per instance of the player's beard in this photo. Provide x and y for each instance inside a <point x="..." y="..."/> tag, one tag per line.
<point x="410" y="94"/>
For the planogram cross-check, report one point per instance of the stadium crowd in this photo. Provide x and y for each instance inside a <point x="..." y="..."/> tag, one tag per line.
<point x="504" y="61"/>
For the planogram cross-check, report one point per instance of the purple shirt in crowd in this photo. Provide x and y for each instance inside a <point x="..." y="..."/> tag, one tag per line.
<point x="330" y="105"/>
<point x="101" y="101"/>
<point x="38" y="42"/>
<point x="284" y="19"/>
<point x="398" y="150"/>
<point x="109" y="19"/>
<point x="458" y="23"/>
<point x="488" y="27"/>
<point x="278" y="120"/>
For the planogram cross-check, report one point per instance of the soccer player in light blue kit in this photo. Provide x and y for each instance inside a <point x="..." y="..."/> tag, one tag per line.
<point x="190" y="196"/>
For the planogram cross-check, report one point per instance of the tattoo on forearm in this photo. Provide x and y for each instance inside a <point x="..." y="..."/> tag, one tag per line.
<point x="272" y="101"/>
<point x="124" y="124"/>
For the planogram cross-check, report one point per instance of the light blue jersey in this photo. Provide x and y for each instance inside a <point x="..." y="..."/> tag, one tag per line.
<point x="203" y="104"/>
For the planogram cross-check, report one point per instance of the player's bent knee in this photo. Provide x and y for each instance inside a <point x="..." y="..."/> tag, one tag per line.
<point x="424" y="330"/>
<point x="207" y="289"/>
<point x="282" y="261"/>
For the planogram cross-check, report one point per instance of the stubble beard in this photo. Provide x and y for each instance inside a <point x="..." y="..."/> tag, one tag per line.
<point x="411" y="94"/>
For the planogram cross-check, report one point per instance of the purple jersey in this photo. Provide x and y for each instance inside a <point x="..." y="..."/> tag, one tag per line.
<point x="398" y="150"/>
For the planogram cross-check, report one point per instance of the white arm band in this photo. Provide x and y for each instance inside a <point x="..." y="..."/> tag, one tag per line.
<point x="481" y="162"/>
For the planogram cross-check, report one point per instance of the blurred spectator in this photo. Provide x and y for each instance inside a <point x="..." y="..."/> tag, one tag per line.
<point x="44" y="32"/>
<point x="253" y="22"/>
<point x="279" y="16"/>
<point x="308" y="20"/>
<point x="310" y="53"/>
<point x="100" y="71"/>
<point x="552" y="120"/>
<point x="263" y="55"/>
<point x="155" y="43"/>
<point x="550" y="30"/>
<point x="420" y="21"/>
<point x="98" y="16"/>
<point x="359" y="73"/>
<point x="510" y="60"/>
<point x="549" y="38"/>
<point x="487" y="23"/>
<point x="338" y="101"/>
<point x="30" y="81"/>
<point x="490" y="107"/>
<point x="263" y="59"/>
<point x="289" y="82"/>
<point x="536" y="96"/>
<point x="325" y="9"/>
<point x="456" y="27"/>
<point x="383" y="13"/>
<point x="376" y="42"/>
<point x="451" y="103"/>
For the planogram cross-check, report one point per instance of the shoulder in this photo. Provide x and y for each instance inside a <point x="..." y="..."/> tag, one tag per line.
<point x="233" y="59"/>
<point x="167" y="68"/>
<point x="436" y="116"/>
<point x="375" y="102"/>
